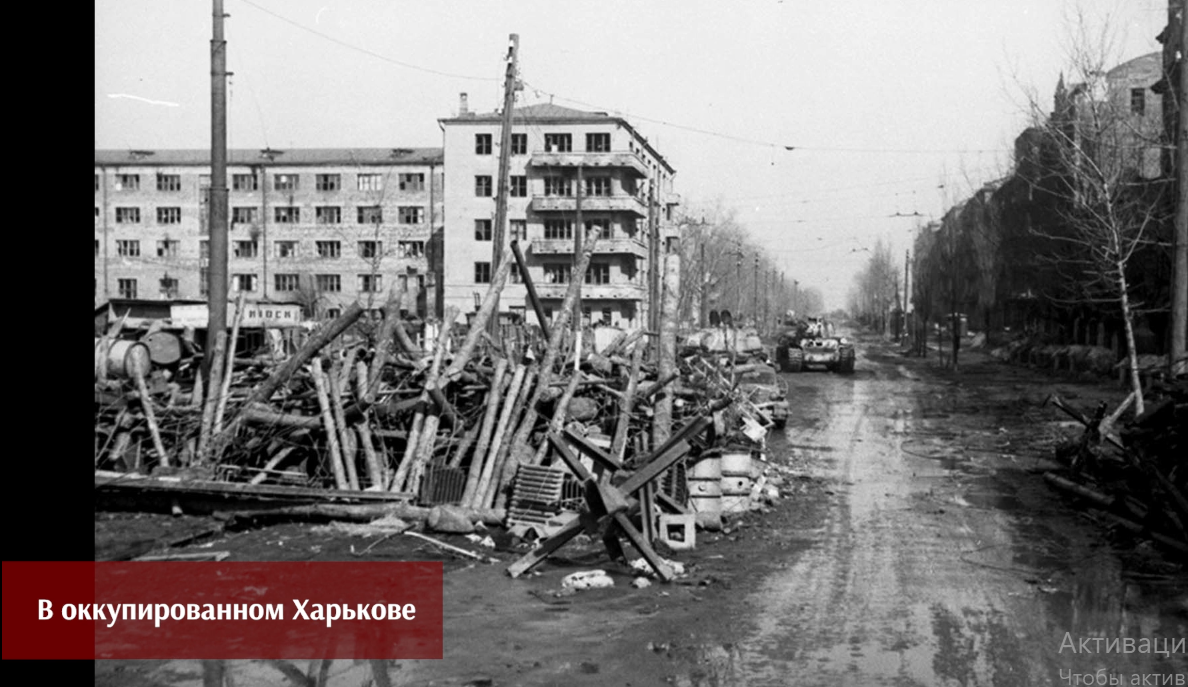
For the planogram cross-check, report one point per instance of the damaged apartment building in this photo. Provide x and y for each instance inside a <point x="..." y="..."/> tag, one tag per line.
<point x="318" y="227"/>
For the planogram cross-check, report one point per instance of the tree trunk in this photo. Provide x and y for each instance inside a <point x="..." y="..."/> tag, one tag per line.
<point x="1136" y="384"/>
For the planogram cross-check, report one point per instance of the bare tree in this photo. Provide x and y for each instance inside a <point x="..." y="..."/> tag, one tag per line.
<point x="1091" y="161"/>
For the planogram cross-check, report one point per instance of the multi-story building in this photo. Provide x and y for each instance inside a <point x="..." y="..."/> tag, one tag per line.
<point x="625" y="192"/>
<point x="322" y="227"/>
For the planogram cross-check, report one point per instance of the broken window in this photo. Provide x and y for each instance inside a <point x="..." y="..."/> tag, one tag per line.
<point x="244" y="215"/>
<point x="287" y="214"/>
<point x="328" y="182"/>
<point x="369" y="214"/>
<point x="556" y="273"/>
<point x="411" y="214"/>
<point x="286" y="282"/>
<point x="558" y="143"/>
<point x="246" y="249"/>
<point x="519" y="144"/>
<point x="244" y="182"/>
<point x="285" y="182"/>
<point x="286" y="249"/>
<point x="169" y="287"/>
<point x="328" y="282"/>
<point x="168" y="215"/>
<point x="411" y="249"/>
<point x="598" y="143"/>
<point x="482" y="185"/>
<point x="168" y="182"/>
<point x="1138" y="101"/>
<point x="370" y="249"/>
<point x="127" y="215"/>
<point x="518" y="186"/>
<point x="412" y="182"/>
<point x="328" y="214"/>
<point x="128" y="248"/>
<point x="127" y="182"/>
<point x="126" y="288"/>
<point x="329" y="249"/>
<point x="370" y="283"/>
<point x="168" y="248"/>
<point x="482" y="230"/>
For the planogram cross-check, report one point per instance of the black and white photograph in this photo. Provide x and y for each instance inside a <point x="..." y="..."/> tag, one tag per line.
<point x="676" y="343"/>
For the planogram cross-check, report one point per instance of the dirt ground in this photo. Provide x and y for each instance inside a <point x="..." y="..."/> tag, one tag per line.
<point x="914" y="542"/>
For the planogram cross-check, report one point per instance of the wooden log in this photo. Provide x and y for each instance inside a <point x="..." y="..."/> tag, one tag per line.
<point x="410" y="450"/>
<point x="479" y="324"/>
<point x="505" y="469"/>
<point x="559" y="413"/>
<point x="363" y="428"/>
<point x="560" y="328"/>
<point x="328" y="424"/>
<point x="424" y="450"/>
<point x="484" y="485"/>
<point x="274" y="461"/>
<point x="316" y="343"/>
<point x="619" y="442"/>
<point x="488" y="426"/>
<point x="264" y="415"/>
<point x="464" y="446"/>
<point x="229" y="364"/>
<point x="345" y="436"/>
<point x="150" y="417"/>
<point x="533" y="299"/>
<point x="383" y="343"/>
<point x="212" y="395"/>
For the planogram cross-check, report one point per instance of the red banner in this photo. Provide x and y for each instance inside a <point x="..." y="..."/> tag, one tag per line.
<point x="201" y="610"/>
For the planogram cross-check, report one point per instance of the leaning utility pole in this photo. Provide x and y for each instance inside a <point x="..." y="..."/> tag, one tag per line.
<point x="1179" y="306"/>
<point x="755" y="298"/>
<point x="498" y="235"/>
<point x="217" y="200"/>
<point x="579" y="233"/>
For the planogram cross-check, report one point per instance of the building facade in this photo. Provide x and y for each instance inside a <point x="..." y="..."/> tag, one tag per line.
<point x="321" y="227"/>
<point x="625" y="193"/>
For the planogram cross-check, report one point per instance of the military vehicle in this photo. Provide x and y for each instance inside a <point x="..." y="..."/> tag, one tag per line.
<point x="812" y="342"/>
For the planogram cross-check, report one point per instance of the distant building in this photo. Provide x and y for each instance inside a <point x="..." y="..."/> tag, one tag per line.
<point x="322" y="227"/>
<point x="626" y="192"/>
<point x="1123" y="109"/>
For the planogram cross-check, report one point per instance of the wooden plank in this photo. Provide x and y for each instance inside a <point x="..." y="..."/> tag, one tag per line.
<point x="593" y="451"/>
<point x="645" y="549"/>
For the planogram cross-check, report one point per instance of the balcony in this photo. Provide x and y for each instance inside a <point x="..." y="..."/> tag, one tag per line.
<point x="621" y="291"/>
<point x="626" y="160"/>
<point x="604" y="247"/>
<point x="619" y="203"/>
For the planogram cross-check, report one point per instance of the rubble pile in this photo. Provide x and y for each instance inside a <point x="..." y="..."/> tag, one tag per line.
<point x="1135" y="475"/>
<point x="536" y="431"/>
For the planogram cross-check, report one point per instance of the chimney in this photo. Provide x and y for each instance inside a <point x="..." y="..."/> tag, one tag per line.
<point x="463" y="106"/>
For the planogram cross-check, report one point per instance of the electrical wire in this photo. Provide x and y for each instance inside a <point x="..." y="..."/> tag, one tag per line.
<point x="365" y="51"/>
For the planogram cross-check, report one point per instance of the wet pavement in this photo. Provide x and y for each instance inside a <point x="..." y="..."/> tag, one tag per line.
<point x="944" y="560"/>
<point x="916" y="544"/>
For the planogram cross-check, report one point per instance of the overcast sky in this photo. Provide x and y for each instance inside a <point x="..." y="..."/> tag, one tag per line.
<point x="882" y="101"/>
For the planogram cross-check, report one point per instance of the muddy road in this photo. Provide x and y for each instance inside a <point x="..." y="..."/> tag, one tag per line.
<point x="915" y="544"/>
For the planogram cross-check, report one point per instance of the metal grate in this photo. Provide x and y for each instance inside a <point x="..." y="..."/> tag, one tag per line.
<point x="443" y="485"/>
<point x="536" y="495"/>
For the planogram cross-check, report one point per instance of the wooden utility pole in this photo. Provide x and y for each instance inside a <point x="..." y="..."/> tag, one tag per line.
<point x="755" y="298"/>
<point x="702" y="318"/>
<point x="579" y="232"/>
<point x="498" y="234"/>
<point x="1179" y="307"/>
<point x="653" y="263"/>
<point x="217" y="205"/>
